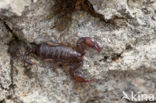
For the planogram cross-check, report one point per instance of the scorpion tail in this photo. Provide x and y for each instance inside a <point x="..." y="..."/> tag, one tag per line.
<point x="32" y="49"/>
<point x="78" y="78"/>
<point x="26" y="59"/>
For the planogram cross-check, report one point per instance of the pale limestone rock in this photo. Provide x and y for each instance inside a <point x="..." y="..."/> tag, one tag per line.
<point x="126" y="63"/>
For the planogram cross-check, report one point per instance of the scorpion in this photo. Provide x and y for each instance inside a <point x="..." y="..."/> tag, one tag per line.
<point x="64" y="54"/>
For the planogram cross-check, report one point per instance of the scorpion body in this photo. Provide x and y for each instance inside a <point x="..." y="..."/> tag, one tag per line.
<point x="64" y="54"/>
<point x="58" y="53"/>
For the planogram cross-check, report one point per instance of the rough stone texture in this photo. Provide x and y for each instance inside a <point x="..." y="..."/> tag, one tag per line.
<point x="5" y="68"/>
<point x="110" y="9"/>
<point x="127" y="61"/>
<point x="14" y="6"/>
<point x="34" y="25"/>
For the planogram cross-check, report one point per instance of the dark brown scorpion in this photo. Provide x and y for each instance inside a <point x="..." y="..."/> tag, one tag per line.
<point x="64" y="54"/>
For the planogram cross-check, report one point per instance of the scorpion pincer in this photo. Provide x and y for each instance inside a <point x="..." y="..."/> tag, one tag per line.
<point x="64" y="54"/>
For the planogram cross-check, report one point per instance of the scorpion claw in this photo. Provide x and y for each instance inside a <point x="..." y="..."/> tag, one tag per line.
<point x="92" y="44"/>
<point x="89" y="42"/>
<point x="80" y="79"/>
<point x="96" y="46"/>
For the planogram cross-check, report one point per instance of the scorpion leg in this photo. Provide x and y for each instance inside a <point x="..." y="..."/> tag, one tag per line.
<point x="77" y="78"/>
<point x="65" y="68"/>
<point x="48" y="60"/>
<point x="55" y="67"/>
<point x="51" y="44"/>
<point x="87" y="41"/>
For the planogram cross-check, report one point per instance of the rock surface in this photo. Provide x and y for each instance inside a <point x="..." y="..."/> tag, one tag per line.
<point x="13" y="6"/>
<point x="5" y="67"/>
<point x="126" y="64"/>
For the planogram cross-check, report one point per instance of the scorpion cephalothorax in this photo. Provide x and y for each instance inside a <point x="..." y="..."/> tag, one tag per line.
<point x="65" y="54"/>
